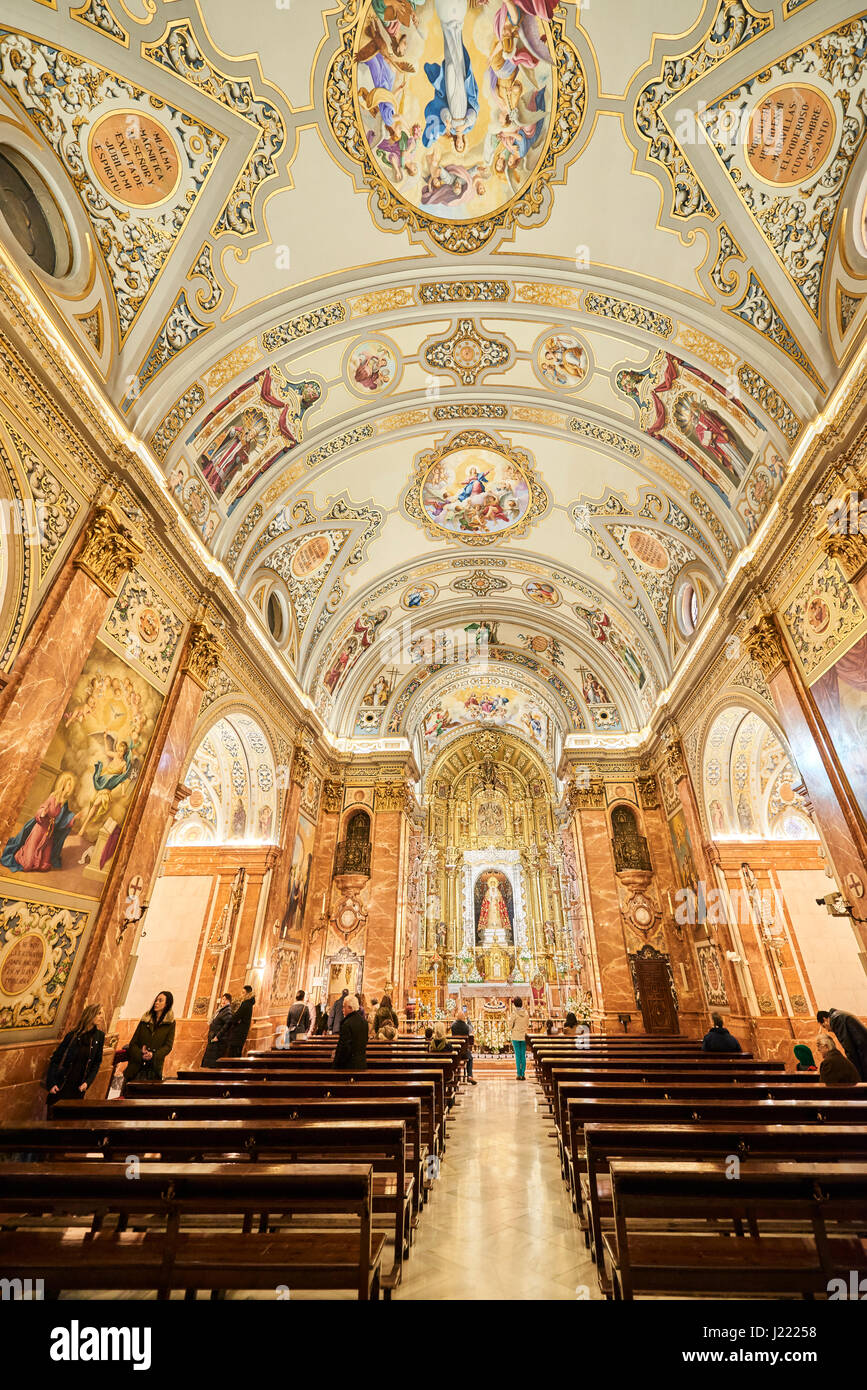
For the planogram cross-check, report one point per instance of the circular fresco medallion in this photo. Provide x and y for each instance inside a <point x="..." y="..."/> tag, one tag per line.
<point x="197" y="798"/>
<point x="790" y="135"/>
<point x="561" y="359"/>
<point x="148" y="624"/>
<point x="540" y="591"/>
<point x="417" y="595"/>
<point x="371" y="366"/>
<point x="475" y="492"/>
<point x="22" y="964"/>
<point x="134" y="158"/>
<point x="817" y="613"/>
<point x="648" y="550"/>
<point x="310" y="557"/>
<point x="643" y="915"/>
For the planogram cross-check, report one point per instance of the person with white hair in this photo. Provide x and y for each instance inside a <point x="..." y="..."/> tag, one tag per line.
<point x="439" y="1043"/>
<point x="351" y="1051"/>
<point x="835" y="1069"/>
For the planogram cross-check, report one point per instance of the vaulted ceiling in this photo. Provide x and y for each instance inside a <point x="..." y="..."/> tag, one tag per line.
<point x="483" y="330"/>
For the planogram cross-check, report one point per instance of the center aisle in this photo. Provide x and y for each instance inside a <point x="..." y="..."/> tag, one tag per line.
<point x="499" y="1224"/>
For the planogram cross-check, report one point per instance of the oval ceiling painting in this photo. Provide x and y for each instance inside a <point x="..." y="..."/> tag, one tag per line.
<point x="475" y="492"/>
<point x="456" y="107"/>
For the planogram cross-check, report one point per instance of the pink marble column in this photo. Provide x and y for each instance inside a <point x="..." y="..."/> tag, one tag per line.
<point x="381" y="962"/>
<point x="54" y="652"/>
<point x="612" y="967"/>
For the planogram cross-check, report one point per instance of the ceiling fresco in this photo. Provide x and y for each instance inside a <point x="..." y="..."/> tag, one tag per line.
<point x="473" y="340"/>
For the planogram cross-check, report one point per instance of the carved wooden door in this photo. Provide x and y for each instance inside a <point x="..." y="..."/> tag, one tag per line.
<point x="654" y="988"/>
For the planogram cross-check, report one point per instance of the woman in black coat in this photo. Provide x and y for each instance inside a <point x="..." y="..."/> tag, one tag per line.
<point x="217" y="1044"/>
<point x="152" y="1041"/>
<point x="75" y="1062"/>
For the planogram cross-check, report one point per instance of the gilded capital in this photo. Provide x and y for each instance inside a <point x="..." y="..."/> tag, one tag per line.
<point x="675" y="762"/>
<point x="300" y="766"/>
<point x="203" y="654"/>
<point x="587" y="797"/>
<point x="392" y="796"/>
<point x="848" y="548"/>
<point x="648" y="793"/>
<point x="332" y="795"/>
<point x="766" y="647"/>
<point x="109" y="551"/>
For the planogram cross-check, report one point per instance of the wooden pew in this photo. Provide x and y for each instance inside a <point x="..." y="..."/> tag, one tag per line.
<point x="382" y="1143"/>
<point x="809" y="1199"/>
<point x="249" y="1112"/>
<point x="605" y="1142"/>
<point x="167" y="1257"/>
<point x="446" y="1067"/>
<point x="291" y="1088"/>
<point x="320" y="1073"/>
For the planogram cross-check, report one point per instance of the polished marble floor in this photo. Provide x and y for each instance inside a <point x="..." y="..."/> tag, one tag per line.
<point x="499" y="1224"/>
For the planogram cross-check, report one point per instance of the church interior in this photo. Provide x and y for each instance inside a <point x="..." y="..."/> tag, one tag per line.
<point x="433" y="570"/>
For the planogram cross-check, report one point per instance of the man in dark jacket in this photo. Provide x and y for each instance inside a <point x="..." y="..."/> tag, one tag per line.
<point x="718" y="1038"/>
<point x="835" y="1069"/>
<point x="461" y="1030"/>
<point x="335" y="1018"/>
<point x="351" y="1051"/>
<point x="220" y="1025"/>
<point x="298" y="1017"/>
<point x="240" y="1025"/>
<point x="850" y="1034"/>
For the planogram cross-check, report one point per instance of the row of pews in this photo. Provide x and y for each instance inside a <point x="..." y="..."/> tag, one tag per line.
<point x="274" y="1172"/>
<point x="706" y="1174"/>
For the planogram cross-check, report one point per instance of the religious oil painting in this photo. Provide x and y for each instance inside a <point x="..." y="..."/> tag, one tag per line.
<point x="455" y="99"/>
<point x="73" y="815"/>
<point x="299" y="879"/>
<point x="371" y="367"/>
<point x="841" y="694"/>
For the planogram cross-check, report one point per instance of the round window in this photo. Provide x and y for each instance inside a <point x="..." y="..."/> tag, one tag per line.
<point x="275" y="617"/>
<point x="31" y="214"/>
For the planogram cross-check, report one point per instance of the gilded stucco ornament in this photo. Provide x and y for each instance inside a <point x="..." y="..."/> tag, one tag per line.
<point x="109" y="550"/>
<point x="204" y="651"/>
<point x="766" y="647"/>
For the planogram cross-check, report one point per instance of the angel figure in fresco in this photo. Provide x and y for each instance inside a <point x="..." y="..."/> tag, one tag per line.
<point x="117" y="768"/>
<point x="38" y="846"/>
<point x="603" y="630"/>
<point x="333" y="675"/>
<point x="562" y="363"/>
<point x="372" y="370"/>
<point x="454" y="107"/>
<point x="702" y="424"/>
<point x="447" y="184"/>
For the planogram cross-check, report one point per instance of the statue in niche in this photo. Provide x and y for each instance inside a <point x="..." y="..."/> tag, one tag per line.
<point x="493" y="901"/>
<point x="630" y="846"/>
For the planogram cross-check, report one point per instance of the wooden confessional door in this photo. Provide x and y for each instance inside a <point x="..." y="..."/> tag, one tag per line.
<point x="654" y="989"/>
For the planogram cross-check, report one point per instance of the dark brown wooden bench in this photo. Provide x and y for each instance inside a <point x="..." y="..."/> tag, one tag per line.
<point x="799" y="1227"/>
<point x="170" y="1253"/>
<point x="602" y="1143"/>
<point x="250" y="1112"/>
<point x="382" y="1143"/>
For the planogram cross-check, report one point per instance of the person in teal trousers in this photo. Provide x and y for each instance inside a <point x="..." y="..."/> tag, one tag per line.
<point x="519" y="1023"/>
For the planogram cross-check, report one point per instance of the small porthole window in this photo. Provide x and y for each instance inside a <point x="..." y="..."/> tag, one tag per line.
<point x="687" y="609"/>
<point x="31" y="215"/>
<point x="276" y="622"/>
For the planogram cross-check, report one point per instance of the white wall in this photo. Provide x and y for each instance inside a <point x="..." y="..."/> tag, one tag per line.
<point x="167" y="951"/>
<point x="828" y="944"/>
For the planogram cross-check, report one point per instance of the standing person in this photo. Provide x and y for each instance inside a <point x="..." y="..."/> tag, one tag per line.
<point x="320" y="1022"/>
<point x="461" y="1029"/>
<point x="298" y="1017"/>
<point x="362" y="1006"/>
<point x="335" y="1018"/>
<point x="241" y="1020"/>
<point x="385" y="1014"/>
<point x="351" y="1050"/>
<point x="77" y="1059"/>
<point x="718" y="1038"/>
<point x="220" y="1024"/>
<point x="835" y="1068"/>
<point x="519" y="1022"/>
<point x="152" y="1041"/>
<point x="850" y="1034"/>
